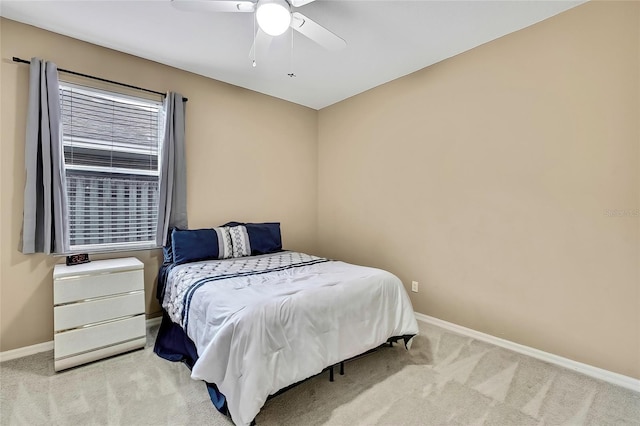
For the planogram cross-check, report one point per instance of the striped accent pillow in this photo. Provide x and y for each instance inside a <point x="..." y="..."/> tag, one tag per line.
<point x="239" y="241"/>
<point x="225" y="245"/>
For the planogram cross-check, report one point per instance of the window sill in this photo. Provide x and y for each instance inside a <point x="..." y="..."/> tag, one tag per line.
<point x="111" y="248"/>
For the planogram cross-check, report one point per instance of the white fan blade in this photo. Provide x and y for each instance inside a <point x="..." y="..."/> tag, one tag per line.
<point x="214" y="5"/>
<point x="316" y="32"/>
<point x="261" y="45"/>
<point x="298" y="3"/>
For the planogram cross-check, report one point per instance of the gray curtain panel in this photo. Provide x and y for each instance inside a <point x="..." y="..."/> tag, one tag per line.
<point x="45" y="216"/>
<point x="172" y="200"/>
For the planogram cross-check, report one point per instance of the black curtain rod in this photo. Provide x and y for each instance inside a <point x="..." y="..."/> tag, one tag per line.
<point x="24" y="61"/>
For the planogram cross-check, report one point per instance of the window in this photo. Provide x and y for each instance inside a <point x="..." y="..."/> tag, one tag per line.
<point x="112" y="146"/>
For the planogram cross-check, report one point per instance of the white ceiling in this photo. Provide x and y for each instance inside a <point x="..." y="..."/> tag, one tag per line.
<point x="385" y="39"/>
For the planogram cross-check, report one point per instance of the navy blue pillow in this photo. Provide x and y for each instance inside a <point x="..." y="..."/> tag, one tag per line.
<point x="193" y="245"/>
<point x="167" y="250"/>
<point x="263" y="237"/>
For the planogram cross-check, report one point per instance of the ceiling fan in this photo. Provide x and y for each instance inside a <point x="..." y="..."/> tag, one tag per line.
<point x="274" y="17"/>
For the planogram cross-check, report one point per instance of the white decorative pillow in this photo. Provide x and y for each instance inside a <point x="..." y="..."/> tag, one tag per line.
<point x="239" y="241"/>
<point x="225" y="246"/>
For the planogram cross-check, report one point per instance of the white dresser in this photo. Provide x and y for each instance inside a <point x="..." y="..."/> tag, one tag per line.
<point x="98" y="310"/>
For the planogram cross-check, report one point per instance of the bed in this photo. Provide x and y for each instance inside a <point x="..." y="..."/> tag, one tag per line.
<point x="255" y="323"/>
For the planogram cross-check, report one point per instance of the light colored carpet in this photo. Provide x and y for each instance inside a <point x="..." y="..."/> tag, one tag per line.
<point x="445" y="379"/>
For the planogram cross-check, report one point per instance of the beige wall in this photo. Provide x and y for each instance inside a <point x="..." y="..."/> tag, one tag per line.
<point x="250" y="157"/>
<point x="487" y="176"/>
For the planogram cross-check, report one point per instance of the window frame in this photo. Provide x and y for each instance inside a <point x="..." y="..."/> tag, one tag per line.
<point x="140" y="101"/>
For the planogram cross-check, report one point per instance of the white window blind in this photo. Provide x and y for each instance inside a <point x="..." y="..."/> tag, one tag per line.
<point x="112" y="144"/>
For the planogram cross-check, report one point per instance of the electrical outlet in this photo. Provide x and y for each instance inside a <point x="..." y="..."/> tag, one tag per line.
<point x="414" y="286"/>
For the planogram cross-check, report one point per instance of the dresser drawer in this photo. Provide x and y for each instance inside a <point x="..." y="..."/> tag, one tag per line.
<point x="82" y="287"/>
<point x="74" y="342"/>
<point x="79" y="314"/>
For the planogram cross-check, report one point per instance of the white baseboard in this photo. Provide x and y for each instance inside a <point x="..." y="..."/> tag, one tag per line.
<point x="48" y="346"/>
<point x="154" y="321"/>
<point x="586" y="369"/>
<point x="26" y="351"/>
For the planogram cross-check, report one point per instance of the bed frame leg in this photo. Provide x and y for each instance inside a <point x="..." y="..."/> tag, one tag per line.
<point x="331" y="373"/>
<point x="342" y="368"/>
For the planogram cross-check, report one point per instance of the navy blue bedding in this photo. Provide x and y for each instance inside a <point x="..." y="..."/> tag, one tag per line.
<point x="163" y="273"/>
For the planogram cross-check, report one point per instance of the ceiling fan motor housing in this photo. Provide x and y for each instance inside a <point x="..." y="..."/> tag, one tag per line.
<point x="273" y="16"/>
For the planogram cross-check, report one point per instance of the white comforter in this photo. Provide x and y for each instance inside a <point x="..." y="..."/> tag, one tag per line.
<point x="265" y="322"/>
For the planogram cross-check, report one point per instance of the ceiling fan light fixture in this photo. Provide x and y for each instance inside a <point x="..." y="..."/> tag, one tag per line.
<point x="273" y="16"/>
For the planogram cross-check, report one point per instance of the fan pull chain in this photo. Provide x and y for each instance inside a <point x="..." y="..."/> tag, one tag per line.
<point x="291" y="74"/>
<point x="253" y="63"/>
